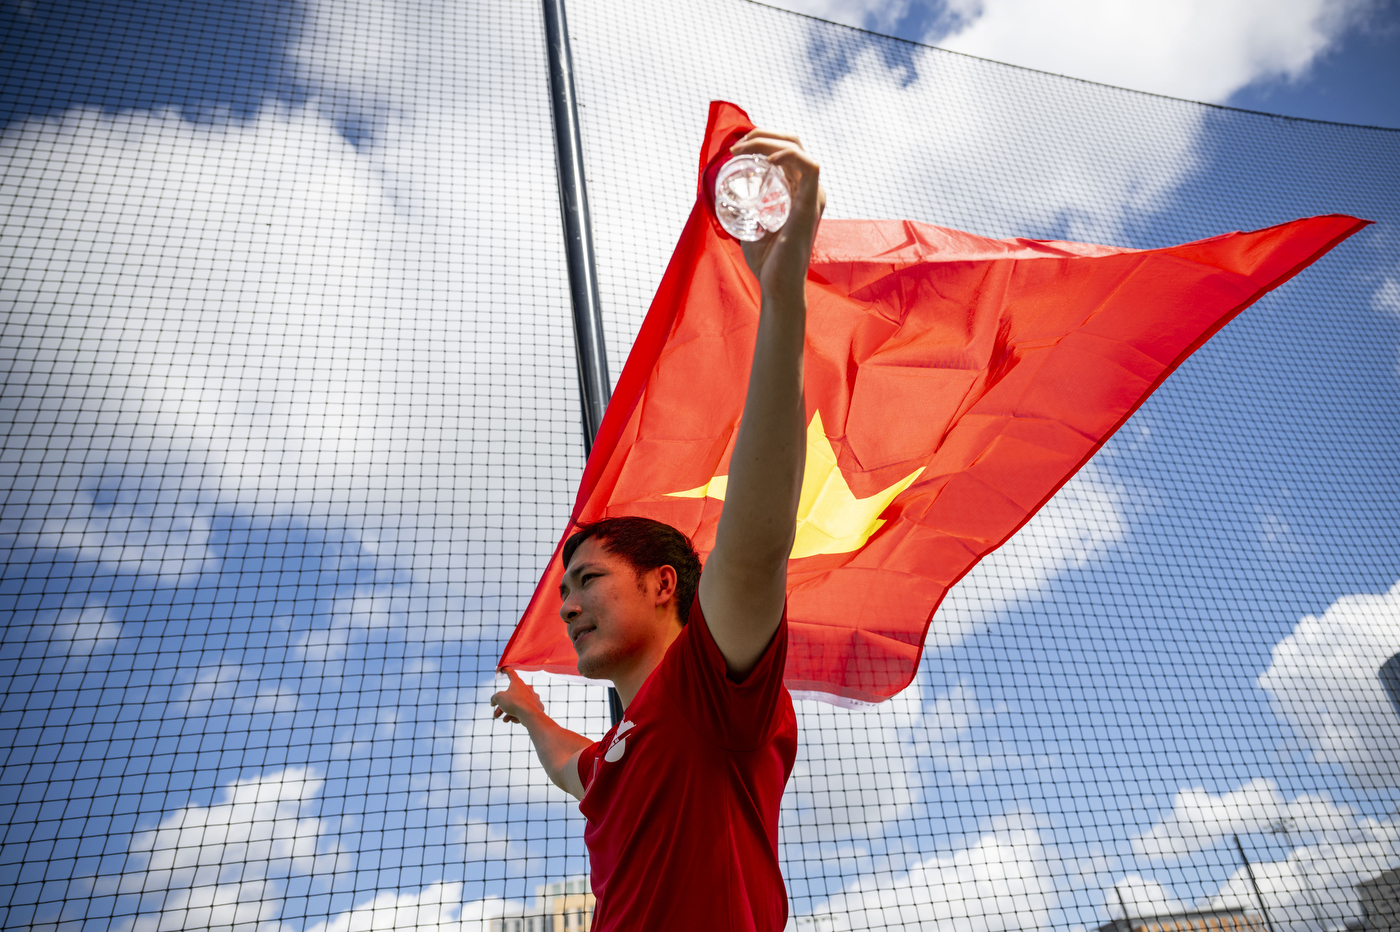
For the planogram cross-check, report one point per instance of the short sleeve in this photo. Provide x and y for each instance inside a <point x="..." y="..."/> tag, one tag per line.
<point x="587" y="760"/>
<point x="736" y="716"/>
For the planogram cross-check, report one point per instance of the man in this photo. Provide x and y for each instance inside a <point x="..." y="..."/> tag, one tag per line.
<point x="682" y="795"/>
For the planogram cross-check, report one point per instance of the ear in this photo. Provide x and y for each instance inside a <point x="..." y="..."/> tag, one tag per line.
<point x="664" y="579"/>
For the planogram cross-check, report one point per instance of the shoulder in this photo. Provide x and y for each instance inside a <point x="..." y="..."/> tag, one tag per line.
<point x="737" y="714"/>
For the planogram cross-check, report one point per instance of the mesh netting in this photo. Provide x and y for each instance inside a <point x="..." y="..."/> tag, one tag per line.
<point x="291" y="425"/>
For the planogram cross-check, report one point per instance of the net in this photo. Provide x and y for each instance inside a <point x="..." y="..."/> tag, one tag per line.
<point x="291" y="423"/>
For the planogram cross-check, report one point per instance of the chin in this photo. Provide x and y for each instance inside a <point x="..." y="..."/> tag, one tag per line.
<point x="596" y="664"/>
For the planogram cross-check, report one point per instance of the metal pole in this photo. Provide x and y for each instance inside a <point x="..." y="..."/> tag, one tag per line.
<point x="1268" y="923"/>
<point x="1285" y="826"/>
<point x="591" y="353"/>
<point x="594" y="384"/>
<point x="1127" y="919"/>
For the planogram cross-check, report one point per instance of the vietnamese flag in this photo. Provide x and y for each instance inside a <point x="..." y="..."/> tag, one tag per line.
<point x="953" y="384"/>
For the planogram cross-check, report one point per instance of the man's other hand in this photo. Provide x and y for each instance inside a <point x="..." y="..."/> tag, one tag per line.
<point x="517" y="702"/>
<point x="558" y="748"/>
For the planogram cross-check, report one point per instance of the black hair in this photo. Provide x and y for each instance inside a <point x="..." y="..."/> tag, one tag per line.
<point x="645" y="545"/>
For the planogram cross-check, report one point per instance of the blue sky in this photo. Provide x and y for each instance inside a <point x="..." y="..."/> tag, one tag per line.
<point x="1357" y="82"/>
<point x="1353" y="78"/>
<point x="291" y="426"/>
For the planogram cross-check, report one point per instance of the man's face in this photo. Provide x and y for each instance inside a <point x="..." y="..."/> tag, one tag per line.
<point x="610" y="613"/>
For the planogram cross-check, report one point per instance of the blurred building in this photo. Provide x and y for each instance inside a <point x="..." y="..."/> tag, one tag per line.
<point x="562" y="906"/>
<point x="1380" y="897"/>
<point x="1390" y="679"/>
<point x="1204" y="920"/>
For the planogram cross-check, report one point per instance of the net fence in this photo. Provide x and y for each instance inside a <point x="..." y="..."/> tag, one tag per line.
<point x="291" y="425"/>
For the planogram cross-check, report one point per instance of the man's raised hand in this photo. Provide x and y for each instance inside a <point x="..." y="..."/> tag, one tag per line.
<point x="744" y="586"/>
<point x="779" y="260"/>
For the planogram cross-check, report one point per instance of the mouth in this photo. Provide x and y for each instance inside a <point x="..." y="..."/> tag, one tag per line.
<point x="581" y="634"/>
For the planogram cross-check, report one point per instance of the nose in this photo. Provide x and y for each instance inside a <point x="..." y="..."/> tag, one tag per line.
<point x="569" y="609"/>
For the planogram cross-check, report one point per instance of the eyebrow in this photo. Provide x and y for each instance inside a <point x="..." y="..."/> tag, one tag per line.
<point x="577" y="571"/>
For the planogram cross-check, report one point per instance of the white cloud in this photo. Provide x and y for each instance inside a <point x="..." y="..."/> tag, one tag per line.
<point x="1001" y="882"/>
<point x="1199" y="819"/>
<point x="856" y="769"/>
<point x="1195" y="49"/>
<point x="489" y="842"/>
<point x="859" y="769"/>
<point x="496" y="763"/>
<point x="167" y="535"/>
<point x="80" y="632"/>
<point x="1329" y="849"/>
<point x="1141" y="896"/>
<point x="209" y="299"/>
<point x="1273" y="530"/>
<point x="220" y="689"/>
<point x="260" y="315"/>
<point x="1323" y="680"/>
<point x="1387" y="296"/>
<point x="1085" y="519"/>
<point x="435" y="908"/>
<point x="1314" y="887"/>
<point x="222" y="867"/>
<point x="879" y="15"/>
<point x="972" y="149"/>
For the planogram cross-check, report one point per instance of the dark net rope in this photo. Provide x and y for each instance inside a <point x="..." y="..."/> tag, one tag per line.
<point x="291" y="426"/>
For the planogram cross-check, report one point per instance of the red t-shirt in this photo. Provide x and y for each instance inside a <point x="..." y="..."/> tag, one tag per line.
<point x="682" y="795"/>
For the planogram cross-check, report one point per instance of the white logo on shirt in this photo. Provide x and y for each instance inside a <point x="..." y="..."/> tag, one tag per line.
<point x="618" y="747"/>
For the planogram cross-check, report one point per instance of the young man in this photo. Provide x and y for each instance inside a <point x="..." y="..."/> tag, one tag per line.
<point x="682" y="796"/>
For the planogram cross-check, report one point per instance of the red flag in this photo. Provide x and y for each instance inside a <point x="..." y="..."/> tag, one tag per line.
<point x="953" y="384"/>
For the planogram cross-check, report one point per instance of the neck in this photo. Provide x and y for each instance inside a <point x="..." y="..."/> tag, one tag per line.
<point x="629" y="682"/>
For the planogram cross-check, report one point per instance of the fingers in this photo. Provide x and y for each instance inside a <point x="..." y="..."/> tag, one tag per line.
<point x="517" y="686"/>
<point x="499" y="699"/>
<point x="760" y="146"/>
<point x="767" y="142"/>
<point x="793" y="158"/>
<point x="501" y="713"/>
<point x="801" y="169"/>
<point x="780" y="148"/>
<point x="760" y="133"/>
<point x="803" y="172"/>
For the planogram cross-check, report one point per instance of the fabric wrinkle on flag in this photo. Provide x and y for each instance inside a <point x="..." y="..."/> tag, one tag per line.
<point x="953" y="384"/>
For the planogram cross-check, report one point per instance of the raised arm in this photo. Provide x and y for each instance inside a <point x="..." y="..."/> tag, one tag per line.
<point x="557" y="747"/>
<point x="745" y="580"/>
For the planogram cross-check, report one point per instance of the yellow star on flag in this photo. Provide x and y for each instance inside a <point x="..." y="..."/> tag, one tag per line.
<point x="830" y="518"/>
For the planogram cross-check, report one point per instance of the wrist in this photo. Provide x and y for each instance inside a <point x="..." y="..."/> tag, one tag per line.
<point x="533" y="720"/>
<point x="786" y="302"/>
